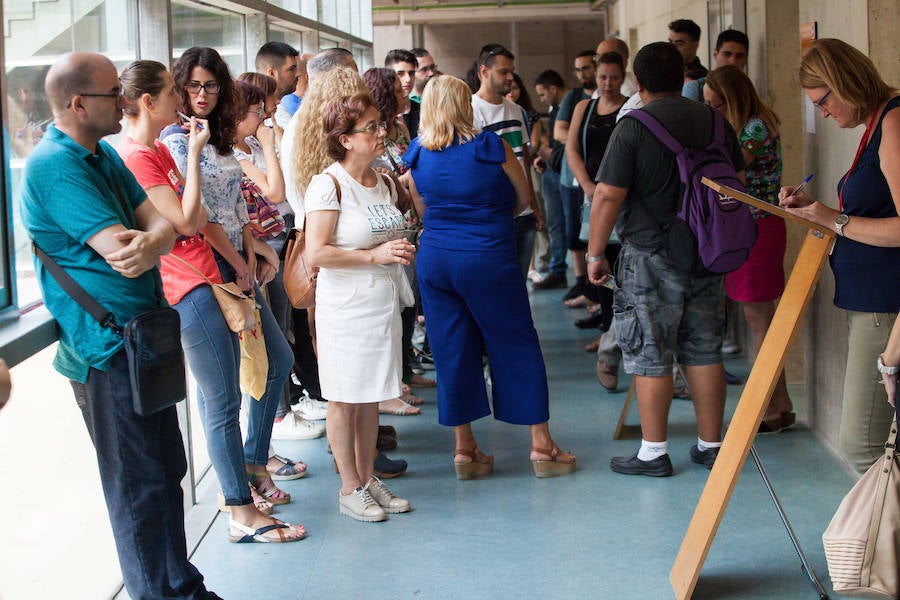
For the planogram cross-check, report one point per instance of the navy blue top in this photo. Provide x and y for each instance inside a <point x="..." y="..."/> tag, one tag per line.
<point x="866" y="276"/>
<point x="469" y="198"/>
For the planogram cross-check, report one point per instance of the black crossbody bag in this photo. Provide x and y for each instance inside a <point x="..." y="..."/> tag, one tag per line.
<point x="152" y="345"/>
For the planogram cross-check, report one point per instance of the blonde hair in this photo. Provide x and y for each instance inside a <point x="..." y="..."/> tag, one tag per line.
<point x="310" y="151"/>
<point x="847" y="72"/>
<point x="446" y="113"/>
<point x="741" y="100"/>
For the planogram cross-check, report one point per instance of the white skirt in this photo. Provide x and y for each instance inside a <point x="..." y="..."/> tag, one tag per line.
<point x="358" y="333"/>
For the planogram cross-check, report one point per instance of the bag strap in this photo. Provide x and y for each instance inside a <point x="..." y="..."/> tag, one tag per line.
<point x="191" y="267"/>
<point x="337" y="186"/>
<point x="884" y="477"/>
<point x="656" y="128"/>
<point x="585" y="121"/>
<point x="78" y="293"/>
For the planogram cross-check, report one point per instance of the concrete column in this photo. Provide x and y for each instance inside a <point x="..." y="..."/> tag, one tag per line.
<point x="155" y="31"/>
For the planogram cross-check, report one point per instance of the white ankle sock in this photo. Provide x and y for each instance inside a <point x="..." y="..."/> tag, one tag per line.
<point x="651" y="450"/>
<point x="701" y="445"/>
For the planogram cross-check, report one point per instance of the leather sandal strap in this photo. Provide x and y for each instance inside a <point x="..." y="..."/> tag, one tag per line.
<point x="465" y="452"/>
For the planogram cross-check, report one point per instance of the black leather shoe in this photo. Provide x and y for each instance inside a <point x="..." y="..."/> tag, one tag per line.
<point x="551" y="282"/>
<point x="707" y="457"/>
<point x="632" y="465"/>
<point x="387" y="468"/>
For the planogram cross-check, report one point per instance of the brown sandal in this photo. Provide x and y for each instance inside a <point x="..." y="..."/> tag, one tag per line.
<point x="560" y="463"/>
<point x="478" y="466"/>
<point x="266" y="488"/>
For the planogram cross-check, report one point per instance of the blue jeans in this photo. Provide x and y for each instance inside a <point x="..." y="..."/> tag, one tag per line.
<point x="213" y="353"/>
<point x="281" y="358"/>
<point x="572" y="203"/>
<point x="526" y="227"/>
<point x="281" y="309"/>
<point x="550" y="190"/>
<point x="141" y="462"/>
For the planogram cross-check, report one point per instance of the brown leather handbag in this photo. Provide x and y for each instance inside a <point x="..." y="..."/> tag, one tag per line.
<point x="299" y="275"/>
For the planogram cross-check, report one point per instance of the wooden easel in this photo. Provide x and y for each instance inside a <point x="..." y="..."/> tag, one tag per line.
<point x="755" y="397"/>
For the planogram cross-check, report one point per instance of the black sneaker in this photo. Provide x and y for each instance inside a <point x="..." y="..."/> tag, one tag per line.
<point x="551" y="282"/>
<point x="632" y="465"/>
<point x="387" y="468"/>
<point x="707" y="457"/>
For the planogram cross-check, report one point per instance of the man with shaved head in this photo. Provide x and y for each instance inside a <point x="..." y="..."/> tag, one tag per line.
<point x="83" y="207"/>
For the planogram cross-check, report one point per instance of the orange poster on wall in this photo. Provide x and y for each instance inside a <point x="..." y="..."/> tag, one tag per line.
<point x="808" y="33"/>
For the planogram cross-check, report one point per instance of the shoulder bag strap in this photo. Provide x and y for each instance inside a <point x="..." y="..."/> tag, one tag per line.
<point x="890" y="448"/>
<point x="585" y="121"/>
<point x="337" y="186"/>
<point x="191" y="267"/>
<point x="78" y="293"/>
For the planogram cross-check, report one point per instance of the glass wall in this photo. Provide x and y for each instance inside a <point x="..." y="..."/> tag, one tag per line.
<point x="42" y="421"/>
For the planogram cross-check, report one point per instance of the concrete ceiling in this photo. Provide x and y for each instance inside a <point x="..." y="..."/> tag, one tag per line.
<point x="432" y="12"/>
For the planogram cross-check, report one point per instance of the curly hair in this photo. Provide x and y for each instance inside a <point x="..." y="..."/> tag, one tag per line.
<point x="338" y="118"/>
<point x="380" y="82"/>
<point x="310" y="155"/>
<point x="224" y="117"/>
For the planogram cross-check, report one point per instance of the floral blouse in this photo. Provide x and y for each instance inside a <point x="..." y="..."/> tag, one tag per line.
<point x="764" y="174"/>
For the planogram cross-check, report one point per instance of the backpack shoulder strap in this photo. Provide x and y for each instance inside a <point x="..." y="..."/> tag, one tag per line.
<point x="656" y="128"/>
<point x="718" y="130"/>
<point x="337" y="186"/>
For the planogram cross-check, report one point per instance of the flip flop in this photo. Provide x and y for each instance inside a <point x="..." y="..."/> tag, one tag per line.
<point x="256" y="536"/>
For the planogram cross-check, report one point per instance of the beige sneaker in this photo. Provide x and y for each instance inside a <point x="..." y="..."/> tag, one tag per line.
<point x="386" y="498"/>
<point x="360" y="505"/>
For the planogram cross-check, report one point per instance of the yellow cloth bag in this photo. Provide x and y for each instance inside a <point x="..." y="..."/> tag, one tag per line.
<point x="254" y="359"/>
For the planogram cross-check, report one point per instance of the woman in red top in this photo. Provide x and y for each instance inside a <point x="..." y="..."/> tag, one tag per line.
<point x="211" y="348"/>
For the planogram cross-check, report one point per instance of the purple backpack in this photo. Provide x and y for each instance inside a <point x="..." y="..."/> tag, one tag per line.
<point x="723" y="227"/>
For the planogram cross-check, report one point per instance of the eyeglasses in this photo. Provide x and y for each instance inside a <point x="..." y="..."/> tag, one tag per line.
<point x="109" y="95"/>
<point x="371" y="129"/>
<point x="259" y="112"/>
<point x="715" y="106"/>
<point x="89" y="95"/>
<point x="194" y="87"/>
<point x="820" y="103"/>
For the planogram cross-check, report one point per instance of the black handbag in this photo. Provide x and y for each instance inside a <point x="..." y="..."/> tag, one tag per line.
<point x="152" y="345"/>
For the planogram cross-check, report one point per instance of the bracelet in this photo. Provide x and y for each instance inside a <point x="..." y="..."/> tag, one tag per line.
<point x="593" y="259"/>
<point x="886" y="370"/>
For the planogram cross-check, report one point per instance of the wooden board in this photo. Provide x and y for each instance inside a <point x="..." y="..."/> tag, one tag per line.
<point x="751" y="407"/>
<point x="626" y="408"/>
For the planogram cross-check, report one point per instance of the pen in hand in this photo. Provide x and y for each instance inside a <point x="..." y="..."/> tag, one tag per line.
<point x="187" y="120"/>
<point x="800" y="187"/>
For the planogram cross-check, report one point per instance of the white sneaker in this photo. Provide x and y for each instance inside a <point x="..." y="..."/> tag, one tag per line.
<point x="295" y="427"/>
<point x="360" y="505"/>
<point x="385" y="498"/>
<point x="309" y="409"/>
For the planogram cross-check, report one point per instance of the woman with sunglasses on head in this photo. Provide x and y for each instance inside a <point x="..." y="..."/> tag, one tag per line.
<point x="207" y="91"/>
<point x="151" y="102"/>
<point x="354" y="233"/>
<point x="843" y="84"/>
<point x="760" y="281"/>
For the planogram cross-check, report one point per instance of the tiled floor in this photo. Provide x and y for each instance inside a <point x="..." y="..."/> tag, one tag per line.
<point x="591" y="535"/>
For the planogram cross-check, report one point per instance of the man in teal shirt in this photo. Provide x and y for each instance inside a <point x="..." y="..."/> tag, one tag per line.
<point x="83" y="208"/>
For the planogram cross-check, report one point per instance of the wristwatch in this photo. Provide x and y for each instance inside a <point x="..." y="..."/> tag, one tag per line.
<point x="885" y="370"/>
<point x="593" y="259"/>
<point x="839" y="222"/>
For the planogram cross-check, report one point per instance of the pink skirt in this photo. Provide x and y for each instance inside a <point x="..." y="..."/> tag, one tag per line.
<point x="761" y="278"/>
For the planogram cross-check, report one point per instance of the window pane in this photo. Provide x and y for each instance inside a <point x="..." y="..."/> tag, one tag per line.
<point x="195" y="25"/>
<point x="37" y="34"/>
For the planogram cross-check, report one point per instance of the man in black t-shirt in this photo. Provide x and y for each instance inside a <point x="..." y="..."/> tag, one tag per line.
<point x="662" y="312"/>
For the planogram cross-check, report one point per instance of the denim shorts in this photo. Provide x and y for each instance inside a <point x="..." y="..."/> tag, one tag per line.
<point x="664" y="314"/>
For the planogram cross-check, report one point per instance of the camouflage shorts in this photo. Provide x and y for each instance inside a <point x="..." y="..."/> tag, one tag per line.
<point x="663" y="314"/>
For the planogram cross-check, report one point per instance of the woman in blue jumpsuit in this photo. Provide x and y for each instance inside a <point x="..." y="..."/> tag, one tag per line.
<point x="473" y="293"/>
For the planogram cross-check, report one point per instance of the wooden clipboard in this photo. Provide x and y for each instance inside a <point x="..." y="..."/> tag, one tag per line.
<point x="729" y="192"/>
